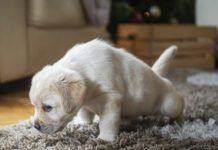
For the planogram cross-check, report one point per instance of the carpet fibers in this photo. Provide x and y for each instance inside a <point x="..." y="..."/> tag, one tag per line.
<point x="199" y="131"/>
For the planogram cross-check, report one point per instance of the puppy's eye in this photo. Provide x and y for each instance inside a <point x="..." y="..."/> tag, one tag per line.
<point x="47" y="108"/>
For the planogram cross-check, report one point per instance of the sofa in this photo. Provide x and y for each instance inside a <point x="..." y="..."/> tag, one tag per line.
<point x="34" y="33"/>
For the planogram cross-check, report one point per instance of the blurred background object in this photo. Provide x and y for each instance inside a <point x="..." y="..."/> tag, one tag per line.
<point x="207" y="15"/>
<point x="34" y="33"/>
<point x="151" y="11"/>
<point x="207" y="12"/>
<point x="147" y="42"/>
<point x="141" y="26"/>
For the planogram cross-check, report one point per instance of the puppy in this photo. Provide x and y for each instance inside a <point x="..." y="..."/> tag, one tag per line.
<point x="95" y="78"/>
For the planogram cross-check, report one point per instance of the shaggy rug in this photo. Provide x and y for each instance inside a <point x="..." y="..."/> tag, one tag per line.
<point x="199" y="131"/>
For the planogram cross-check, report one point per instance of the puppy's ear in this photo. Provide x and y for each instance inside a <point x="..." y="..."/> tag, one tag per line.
<point x="72" y="88"/>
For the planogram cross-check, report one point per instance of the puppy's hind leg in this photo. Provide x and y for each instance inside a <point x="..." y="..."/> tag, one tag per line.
<point x="173" y="106"/>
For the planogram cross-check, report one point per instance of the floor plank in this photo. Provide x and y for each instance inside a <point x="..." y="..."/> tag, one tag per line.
<point x="14" y="107"/>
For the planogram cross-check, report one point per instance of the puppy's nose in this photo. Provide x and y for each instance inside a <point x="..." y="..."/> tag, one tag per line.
<point x="37" y="126"/>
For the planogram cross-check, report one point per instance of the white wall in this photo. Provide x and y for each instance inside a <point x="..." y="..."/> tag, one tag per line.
<point x="207" y="12"/>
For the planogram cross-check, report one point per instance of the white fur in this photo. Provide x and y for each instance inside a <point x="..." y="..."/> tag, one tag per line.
<point x="118" y="86"/>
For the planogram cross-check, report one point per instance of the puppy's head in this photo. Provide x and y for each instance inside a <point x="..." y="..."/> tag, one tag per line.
<point x="56" y="94"/>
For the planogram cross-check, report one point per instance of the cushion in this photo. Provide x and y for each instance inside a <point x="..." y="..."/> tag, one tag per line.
<point x="55" y="13"/>
<point x="97" y="11"/>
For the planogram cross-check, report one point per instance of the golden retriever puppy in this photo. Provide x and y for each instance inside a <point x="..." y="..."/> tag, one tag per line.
<point x="95" y="78"/>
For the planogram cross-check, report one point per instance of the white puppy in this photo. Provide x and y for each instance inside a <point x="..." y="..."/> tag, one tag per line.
<point x="95" y="78"/>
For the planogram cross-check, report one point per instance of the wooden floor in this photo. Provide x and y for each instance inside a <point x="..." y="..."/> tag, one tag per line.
<point x="14" y="107"/>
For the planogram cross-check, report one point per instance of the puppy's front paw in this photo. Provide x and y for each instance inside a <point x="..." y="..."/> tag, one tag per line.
<point x="108" y="137"/>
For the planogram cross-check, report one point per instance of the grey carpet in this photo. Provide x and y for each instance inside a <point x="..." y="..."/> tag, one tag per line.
<point x="199" y="131"/>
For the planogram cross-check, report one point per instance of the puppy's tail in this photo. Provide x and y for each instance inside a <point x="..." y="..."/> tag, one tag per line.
<point x="162" y="65"/>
